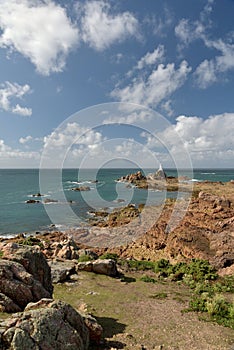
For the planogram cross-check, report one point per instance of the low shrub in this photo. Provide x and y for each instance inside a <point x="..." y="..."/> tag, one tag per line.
<point x="85" y="258"/>
<point x="112" y="256"/>
<point x="31" y="241"/>
<point x="147" y="279"/>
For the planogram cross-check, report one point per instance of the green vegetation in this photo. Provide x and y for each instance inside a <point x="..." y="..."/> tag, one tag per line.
<point x="31" y="241"/>
<point x="138" y="265"/>
<point x="210" y="292"/>
<point x="1" y="254"/>
<point x="85" y="258"/>
<point x="147" y="279"/>
<point x="109" y="256"/>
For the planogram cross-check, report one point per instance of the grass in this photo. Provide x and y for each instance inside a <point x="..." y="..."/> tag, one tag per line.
<point x="85" y="258"/>
<point x="210" y="292"/>
<point x="147" y="279"/>
<point x="138" y="309"/>
<point x="109" y="256"/>
<point x="162" y="295"/>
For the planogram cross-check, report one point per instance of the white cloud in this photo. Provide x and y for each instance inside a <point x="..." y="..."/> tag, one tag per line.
<point x="100" y="28"/>
<point x="209" y="71"/>
<point x="9" y="91"/>
<point x="41" y="31"/>
<point x="188" y="31"/>
<point x="22" y="110"/>
<point x="166" y="106"/>
<point x="26" y="139"/>
<point x="152" y="89"/>
<point x="209" y="142"/>
<point x="151" y="58"/>
<point x="131" y="117"/>
<point x="7" y="153"/>
<point x="73" y="134"/>
<point x="205" y="74"/>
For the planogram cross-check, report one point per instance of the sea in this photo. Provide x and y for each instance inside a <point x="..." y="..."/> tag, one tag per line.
<point x="67" y="208"/>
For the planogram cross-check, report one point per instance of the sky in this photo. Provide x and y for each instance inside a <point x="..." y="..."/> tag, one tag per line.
<point x="160" y="73"/>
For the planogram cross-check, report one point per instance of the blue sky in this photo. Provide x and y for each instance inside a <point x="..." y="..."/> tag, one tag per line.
<point x="59" y="57"/>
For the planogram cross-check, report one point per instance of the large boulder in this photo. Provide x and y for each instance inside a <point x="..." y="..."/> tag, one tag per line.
<point x="100" y="266"/>
<point x="25" y="276"/>
<point x="69" y="250"/>
<point x="46" y="325"/>
<point x="105" y="267"/>
<point x="33" y="261"/>
<point x="19" y="287"/>
<point x="62" y="270"/>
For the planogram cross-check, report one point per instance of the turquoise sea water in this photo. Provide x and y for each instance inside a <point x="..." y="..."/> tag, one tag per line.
<point x="18" y="185"/>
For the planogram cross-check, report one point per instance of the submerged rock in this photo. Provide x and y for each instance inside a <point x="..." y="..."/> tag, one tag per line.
<point x="32" y="201"/>
<point x="81" y="188"/>
<point x="50" y="200"/>
<point x="37" y="195"/>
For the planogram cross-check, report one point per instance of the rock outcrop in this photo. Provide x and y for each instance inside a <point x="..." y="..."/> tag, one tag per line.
<point x="45" y="325"/>
<point x="19" y="287"/>
<point x="137" y="179"/>
<point x="65" y="248"/>
<point x="33" y="261"/>
<point x="205" y="232"/>
<point x="25" y="277"/>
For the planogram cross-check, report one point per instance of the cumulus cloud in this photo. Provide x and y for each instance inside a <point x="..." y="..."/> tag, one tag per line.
<point x="100" y="28"/>
<point x="26" y="139"/>
<point x="203" y="139"/>
<point x="209" y="71"/>
<point x="41" y="31"/>
<point x="10" y="91"/>
<point x="150" y="90"/>
<point x="11" y="157"/>
<point x="72" y="134"/>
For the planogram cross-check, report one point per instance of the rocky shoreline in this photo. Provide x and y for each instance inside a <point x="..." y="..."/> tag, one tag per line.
<point x="31" y="266"/>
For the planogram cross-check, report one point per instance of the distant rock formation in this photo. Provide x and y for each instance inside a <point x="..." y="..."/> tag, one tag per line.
<point x="138" y="176"/>
<point x="158" y="175"/>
